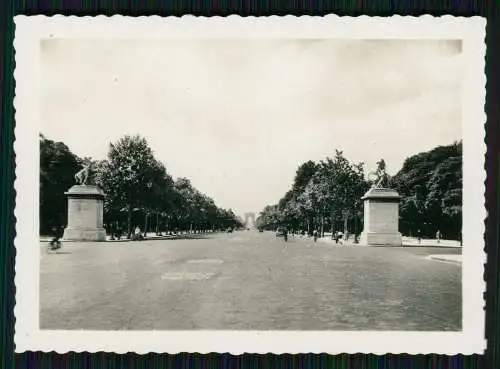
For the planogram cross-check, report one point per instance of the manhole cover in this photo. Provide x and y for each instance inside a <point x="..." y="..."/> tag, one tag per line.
<point x="185" y="276"/>
<point x="205" y="261"/>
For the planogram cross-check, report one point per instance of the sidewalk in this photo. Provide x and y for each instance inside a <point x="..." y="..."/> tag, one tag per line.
<point x="341" y="242"/>
<point x="149" y="236"/>
<point x="412" y="241"/>
<point x="407" y="242"/>
<point x="328" y="239"/>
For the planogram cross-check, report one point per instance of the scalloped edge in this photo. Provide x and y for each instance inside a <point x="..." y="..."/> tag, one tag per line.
<point x="30" y="338"/>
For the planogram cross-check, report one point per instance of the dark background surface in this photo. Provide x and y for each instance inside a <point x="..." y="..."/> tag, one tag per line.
<point x="8" y="8"/>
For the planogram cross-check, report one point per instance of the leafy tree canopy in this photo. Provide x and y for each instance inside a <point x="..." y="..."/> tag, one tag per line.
<point x="58" y="166"/>
<point x="431" y="186"/>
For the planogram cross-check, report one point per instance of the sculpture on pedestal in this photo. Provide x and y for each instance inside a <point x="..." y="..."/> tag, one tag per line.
<point x="85" y="208"/>
<point x="86" y="175"/>
<point x="381" y="210"/>
<point x="380" y="178"/>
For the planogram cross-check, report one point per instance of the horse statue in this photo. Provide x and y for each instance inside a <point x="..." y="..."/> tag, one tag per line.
<point x="85" y="176"/>
<point x="380" y="177"/>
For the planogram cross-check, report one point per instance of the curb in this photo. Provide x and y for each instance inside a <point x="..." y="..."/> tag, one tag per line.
<point x="154" y="238"/>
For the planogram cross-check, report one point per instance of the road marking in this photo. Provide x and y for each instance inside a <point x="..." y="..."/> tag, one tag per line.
<point x="185" y="276"/>
<point x="452" y="259"/>
<point x="205" y="261"/>
<point x="235" y="239"/>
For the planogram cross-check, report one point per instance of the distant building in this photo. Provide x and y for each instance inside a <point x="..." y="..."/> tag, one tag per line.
<point x="249" y="220"/>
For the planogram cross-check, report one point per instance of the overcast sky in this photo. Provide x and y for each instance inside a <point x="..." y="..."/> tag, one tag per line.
<point x="238" y="117"/>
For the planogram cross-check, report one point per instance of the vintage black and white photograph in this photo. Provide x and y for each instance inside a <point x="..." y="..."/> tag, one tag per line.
<point x="254" y="184"/>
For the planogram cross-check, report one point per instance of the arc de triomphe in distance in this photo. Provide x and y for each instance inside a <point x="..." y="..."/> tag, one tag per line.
<point x="251" y="217"/>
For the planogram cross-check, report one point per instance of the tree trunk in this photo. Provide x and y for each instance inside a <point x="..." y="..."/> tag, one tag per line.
<point x="332" y="226"/>
<point x="129" y="222"/>
<point x="146" y="224"/>
<point x="354" y="216"/>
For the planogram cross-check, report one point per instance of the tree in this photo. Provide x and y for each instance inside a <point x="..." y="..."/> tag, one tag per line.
<point x="292" y="214"/>
<point x="285" y="199"/>
<point x="411" y="213"/>
<point x="444" y="199"/>
<point x="187" y="198"/>
<point x="269" y="217"/>
<point x="113" y="205"/>
<point x="327" y="187"/>
<point x="431" y="186"/>
<point x="303" y="175"/>
<point x="58" y="166"/>
<point x="339" y="186"/>
<point x="197" y="212"/>
<point x="129" y="175"/>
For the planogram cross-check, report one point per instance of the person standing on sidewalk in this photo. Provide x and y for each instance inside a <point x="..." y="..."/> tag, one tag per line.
<point x="438" y="236"/>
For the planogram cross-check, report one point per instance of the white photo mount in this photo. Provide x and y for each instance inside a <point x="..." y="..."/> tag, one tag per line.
<point x="31" y="30"/>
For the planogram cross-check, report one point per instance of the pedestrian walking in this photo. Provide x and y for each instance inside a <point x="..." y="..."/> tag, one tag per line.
<point x="285" y="234"/>
<point x="438" y="236"/>
<point x="137" y="234"/>
<point x="419" y="236"/>
<point x="315" y="235"/>
<point x="55" y="242"/>
<point x="339" y="238"/>
<point x="119" y="231"/>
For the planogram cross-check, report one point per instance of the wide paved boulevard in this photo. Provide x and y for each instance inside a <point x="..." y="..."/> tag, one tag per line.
<point x="247" y="280"/>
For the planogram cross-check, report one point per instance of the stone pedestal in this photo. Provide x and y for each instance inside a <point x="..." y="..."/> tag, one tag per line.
<point x="381" y="218"/>
<point x="85" y="213"/>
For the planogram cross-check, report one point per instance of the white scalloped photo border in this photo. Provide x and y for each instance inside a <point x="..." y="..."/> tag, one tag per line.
<point x="29" y="32"/>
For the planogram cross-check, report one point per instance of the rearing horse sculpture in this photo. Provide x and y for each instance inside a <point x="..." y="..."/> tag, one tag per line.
<point x="382" y="179"/>
<point x="83" y="176"/>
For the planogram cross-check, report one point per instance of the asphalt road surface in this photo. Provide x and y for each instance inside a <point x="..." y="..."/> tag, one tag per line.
<point x="247" y="281"/>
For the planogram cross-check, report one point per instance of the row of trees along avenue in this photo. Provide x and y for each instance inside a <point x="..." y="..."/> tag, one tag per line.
<point x="139" y="191"/>
<point x="326" y="196"/>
